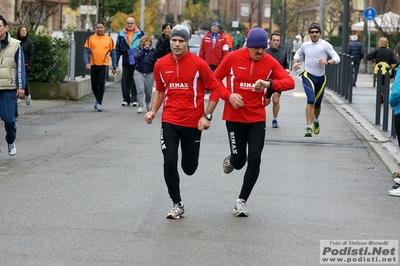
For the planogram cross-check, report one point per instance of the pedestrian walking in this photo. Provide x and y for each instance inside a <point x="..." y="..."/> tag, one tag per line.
<point x="251" y="73"/>
<point x="163" y="45"/>
<point x="144" y="78"/>
<point x="280" y="55"/>
<point x="355" y="49"/>
<point x="29" y="51"/>
<point x="12" y="83"/>
<point x="98" y="49"/>
<point x="181" y="80"/>
<point x="127" y="42"/>
<point x="314" y="78"/>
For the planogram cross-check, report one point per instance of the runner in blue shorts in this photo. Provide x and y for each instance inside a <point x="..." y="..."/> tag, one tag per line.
<point x="316" y="54"/>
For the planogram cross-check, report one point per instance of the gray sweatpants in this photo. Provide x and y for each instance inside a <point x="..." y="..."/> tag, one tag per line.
<point x="144" y="85"/>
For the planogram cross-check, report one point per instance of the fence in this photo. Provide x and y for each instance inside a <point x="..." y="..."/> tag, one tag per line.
<point x="340" y="80"/>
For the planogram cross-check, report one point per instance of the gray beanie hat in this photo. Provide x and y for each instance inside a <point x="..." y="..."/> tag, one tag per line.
<point x="181" y="31"/>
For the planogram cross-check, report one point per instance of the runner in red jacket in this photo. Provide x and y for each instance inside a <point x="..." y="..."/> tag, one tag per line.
<point x="249" y="73"/>
<point x="181" y="78"/>
<point x="214" y="46"/>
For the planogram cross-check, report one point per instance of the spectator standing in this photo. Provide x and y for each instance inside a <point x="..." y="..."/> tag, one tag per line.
<point x="280" y="55"/>
<point x="12" y="83"/>
<point x="237" y="40"/>
<point x="127" y="42"/>
<point x="163" y="45"/>
<point x="213" y="48"/>
<point x="251" y="73"/>
<point x="181" y="78"/>
<point x="384" y="56"/>
<point x="355" y="49"/>
<point x="144" y="78"/>
<point x="314" y="78"/>
<point x="29" y="51"/>
<point x="97" y="51"/>
<point x="296" y="44"/>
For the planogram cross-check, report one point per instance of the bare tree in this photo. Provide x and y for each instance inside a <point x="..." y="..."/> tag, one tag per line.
<point x="35" y="13"/>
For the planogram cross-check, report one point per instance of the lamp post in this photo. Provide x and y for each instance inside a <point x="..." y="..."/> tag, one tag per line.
<point x="260" y="7"/>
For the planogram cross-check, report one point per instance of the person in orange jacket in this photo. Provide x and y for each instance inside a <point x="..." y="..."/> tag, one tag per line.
<point x="229" y="40"/>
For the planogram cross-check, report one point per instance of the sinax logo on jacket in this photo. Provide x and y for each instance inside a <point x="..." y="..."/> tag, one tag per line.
<point x="246" y="86"/>
<point x="179" y="86"/>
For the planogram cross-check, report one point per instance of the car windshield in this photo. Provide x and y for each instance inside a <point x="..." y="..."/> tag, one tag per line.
<point x="195" y="41"/>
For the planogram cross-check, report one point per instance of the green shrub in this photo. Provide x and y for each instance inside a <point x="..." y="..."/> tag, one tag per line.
<point x="50" y="61"/>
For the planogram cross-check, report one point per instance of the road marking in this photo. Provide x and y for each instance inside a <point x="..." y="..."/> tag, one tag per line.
<point x="299" y="94"/>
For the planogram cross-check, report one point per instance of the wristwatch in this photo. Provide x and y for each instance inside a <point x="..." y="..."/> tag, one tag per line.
<point x="327" y="63"/>
<point x="208" y="116"/>
<point x="270" y="83"/>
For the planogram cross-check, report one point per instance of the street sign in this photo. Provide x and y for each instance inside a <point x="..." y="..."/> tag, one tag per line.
<point x="369" y="13"/>
<point x="235" y="24"/>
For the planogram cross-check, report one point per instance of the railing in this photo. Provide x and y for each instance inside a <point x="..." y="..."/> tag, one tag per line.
<point x="340" y="80"/>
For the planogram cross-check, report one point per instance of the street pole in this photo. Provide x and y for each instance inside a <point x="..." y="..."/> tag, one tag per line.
<point x="346" y="20"/>
<point x="283" y="33"/>
<point x="142" y="15"/>
<point x="271" y="17"/>
<point x="260" y="7"/>
<point x="322" y="4"/>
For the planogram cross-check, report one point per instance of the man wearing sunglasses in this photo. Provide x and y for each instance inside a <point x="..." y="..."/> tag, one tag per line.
<point x="316" y="54"/>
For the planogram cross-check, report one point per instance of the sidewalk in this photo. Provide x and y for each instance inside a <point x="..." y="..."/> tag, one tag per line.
<point x="362" y="112"/>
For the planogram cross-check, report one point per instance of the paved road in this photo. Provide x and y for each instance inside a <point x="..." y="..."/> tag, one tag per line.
<point x="86" y="188"/>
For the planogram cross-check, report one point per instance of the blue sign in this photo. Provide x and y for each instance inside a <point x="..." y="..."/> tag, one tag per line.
<point x="369" y="13"/>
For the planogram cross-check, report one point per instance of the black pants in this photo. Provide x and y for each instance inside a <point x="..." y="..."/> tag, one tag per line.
<point x="128" y="86"/>
<point x="170" y="137"/>
<point x="397" y="126"/>
<point x="356" y="68"/>
<point x="242" y="136"/>
<point x="26" y="83"/>
<point x="98" y="81"/>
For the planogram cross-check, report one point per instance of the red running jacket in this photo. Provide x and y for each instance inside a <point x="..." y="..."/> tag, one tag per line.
<point x="241" y="72"/>
<point x="184" y="83"/>
<point x="213" y="55"/>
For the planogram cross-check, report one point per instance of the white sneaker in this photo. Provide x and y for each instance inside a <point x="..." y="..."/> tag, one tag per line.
<point x="240" y="209"/>
<point x="395" y="192"/>
<point x="124" y="104"/>
<point x="177" y="211"/>
<point x="226" y="165"/>
<point x="28" y="100"/>
<point x="134" y="104"/>
<point x="140" y="110"/>
<point x="12" y="150"/>
<point x="19" y="101"/>
<point x="397" y="180"/>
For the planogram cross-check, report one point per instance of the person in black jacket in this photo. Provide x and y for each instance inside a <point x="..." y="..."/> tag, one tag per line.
<point x="384" y="56"/>
<point x="355" y="49"/>
<point x="28" y="48"/>
<point x="281" y="57"/>
<point x="163" y="47"/>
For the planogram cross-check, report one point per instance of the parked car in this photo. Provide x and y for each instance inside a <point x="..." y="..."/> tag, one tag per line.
<point x="194" y="44"/>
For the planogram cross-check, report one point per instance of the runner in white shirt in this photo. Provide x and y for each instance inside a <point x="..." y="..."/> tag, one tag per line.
<point x="316" y="54"/>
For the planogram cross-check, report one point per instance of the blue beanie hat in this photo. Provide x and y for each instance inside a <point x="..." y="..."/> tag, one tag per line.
<point x="215" y="23"/>
<point x="257" y="37"/>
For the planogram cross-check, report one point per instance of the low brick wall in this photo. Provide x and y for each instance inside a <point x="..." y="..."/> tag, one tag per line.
<point x="71" y="90"/>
